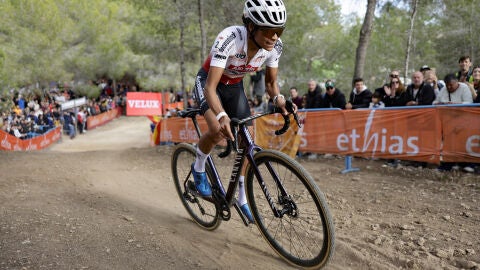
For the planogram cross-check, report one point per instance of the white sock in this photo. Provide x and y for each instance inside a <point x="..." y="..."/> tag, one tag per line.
<point x="200" y="161"/>
<point x="242" y="199"/>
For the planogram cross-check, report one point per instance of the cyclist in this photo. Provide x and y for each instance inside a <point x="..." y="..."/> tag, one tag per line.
<point x="219" y="92"/>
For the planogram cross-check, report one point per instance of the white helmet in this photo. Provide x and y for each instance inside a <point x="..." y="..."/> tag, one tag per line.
<point x="268" y="13"/>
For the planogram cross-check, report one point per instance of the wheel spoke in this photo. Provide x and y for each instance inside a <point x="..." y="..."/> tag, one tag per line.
<point x="204" y="213"/>
<point x="304" y="234"/>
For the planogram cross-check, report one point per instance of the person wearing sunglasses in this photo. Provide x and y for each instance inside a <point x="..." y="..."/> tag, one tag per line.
<point x="334" y="98"/>
<point x="395" y="94"/>
<point x="394" y="75"/>
<point x="237" y="51"/>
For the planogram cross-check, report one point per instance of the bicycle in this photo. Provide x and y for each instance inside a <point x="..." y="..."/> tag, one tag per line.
<point x="288" y="208"/>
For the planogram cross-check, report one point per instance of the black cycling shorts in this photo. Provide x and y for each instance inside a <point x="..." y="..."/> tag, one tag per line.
<point x="232" y="96"/>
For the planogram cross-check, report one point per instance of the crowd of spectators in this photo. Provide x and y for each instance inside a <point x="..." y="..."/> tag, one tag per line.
<point x="33" y="114"/>
<point x="424" y="88"/>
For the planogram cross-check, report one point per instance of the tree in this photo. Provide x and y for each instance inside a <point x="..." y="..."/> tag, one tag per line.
<point x="410" y="35"/>
<point x="363" y="40"/>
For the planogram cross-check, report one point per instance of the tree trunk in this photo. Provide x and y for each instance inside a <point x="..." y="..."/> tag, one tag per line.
<point x="203" y="53"/>
<point x="409" y="39"/>
<point x="364" y="38"/>
<point x="181" y="12"/>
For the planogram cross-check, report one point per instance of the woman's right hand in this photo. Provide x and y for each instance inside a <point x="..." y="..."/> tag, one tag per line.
<point x="225" y="127"/>
<point x="388" y="90"/>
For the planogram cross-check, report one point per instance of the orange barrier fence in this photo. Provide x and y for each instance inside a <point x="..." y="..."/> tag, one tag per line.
<point x="430" y="133"/>
<point x="103" y="118"/>
<point x="12" y="143"/>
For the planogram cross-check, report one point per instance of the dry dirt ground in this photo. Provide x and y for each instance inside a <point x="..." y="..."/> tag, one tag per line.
<point x="106" y="200"/>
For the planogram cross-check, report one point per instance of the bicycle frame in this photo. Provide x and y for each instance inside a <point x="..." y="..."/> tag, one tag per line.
<point x="243" y="152"/>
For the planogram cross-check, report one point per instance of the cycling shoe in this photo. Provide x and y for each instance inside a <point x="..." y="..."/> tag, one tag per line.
<point x="201" y="183"/>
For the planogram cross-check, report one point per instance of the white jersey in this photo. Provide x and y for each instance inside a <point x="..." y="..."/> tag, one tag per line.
<point x="229" y="51"/>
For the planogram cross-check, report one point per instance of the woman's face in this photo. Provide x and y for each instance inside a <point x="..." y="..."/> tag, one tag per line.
<point x="395" y="83"/>
<point x="476" y="73"/>
<point x="267" y="37"/>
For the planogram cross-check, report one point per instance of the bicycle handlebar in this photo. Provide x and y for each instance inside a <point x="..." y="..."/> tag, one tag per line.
<point x="286" y="118"/>
<point x="235" y="122"/>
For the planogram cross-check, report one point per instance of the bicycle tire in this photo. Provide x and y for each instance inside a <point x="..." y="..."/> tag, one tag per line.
<point x="182" y="159"/>
<point x="306" y="240"/>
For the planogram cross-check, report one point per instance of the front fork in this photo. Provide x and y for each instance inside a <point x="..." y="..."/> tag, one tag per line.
<point x="289" y="206"/>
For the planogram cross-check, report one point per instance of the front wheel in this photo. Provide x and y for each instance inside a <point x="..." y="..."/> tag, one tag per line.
<point x="203" y="212"/>
<point x="303" y="232"/>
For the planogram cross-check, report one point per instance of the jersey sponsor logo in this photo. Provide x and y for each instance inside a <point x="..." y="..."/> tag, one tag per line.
<point x="227" y="42"/>
<point x="219" y="56"/>
<point x="242" y="69"/>
<point x="240" y="55"/>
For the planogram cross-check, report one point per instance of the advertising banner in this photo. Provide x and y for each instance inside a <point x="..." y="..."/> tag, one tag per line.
<point x="265" y="137"/>
<point x="12" y="143"/>
<point x="461" y="134"/>
<point x="144" y="103"/>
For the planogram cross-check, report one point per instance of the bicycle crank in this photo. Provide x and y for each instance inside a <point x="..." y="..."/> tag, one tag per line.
<point x="222" y="205"/>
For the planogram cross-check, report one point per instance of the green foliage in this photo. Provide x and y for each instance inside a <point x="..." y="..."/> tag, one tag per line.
<point x="87" y="90"/>
<point x="81" y="40"/>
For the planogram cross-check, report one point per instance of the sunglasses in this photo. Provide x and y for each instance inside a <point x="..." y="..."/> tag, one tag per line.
<point x="270" y="31"/>
<point x="395" y="82"/>
<point x="393" y="76"/>
<point x="329" y="88"/>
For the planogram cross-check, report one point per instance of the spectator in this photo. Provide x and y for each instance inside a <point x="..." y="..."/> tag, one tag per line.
<point x="81" y="120"/>
<point x="21" y="102"/>
<point x="314" y="95"/>
<point x="476" y="83"/>
<point x="360" y="97"/>
<point x="259" y="106"/>
<point x="394" y="75"/>
<point x="257" y="83"/>
<point x="395" y="94"/>
<point x="296" y="99"/>
<point x="465" y="73"/>
<point x="334" y="98"/>
<point x="454" y="92"/>
<point x="376" y="101"/>
<point x="69" y="124"/>
<point x="419" y="92"/>
<point x="16" y="132"/>
<point x="430" y="77"/>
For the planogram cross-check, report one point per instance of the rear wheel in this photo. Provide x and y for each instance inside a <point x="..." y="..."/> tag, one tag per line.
<point x="303" y="234"/>
<point x="203" y="212"/>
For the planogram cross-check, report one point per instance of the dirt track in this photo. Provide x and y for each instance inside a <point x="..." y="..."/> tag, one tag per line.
<point x="105" y="200"/>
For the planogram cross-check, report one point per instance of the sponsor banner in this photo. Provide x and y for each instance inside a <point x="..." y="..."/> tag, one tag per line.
<point x="320" y="129"/>
<point x="265" y="137"/>
<point x="103" y="118"/>
<point x="177" y="129"/>
<point x="403" y="134"/>
<point x="461" y="134"/>
<point x="74" y="103"/>
<point x="430" y="134"/>
<point x="12" y="143"/>
<point x="144" y="103"/>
